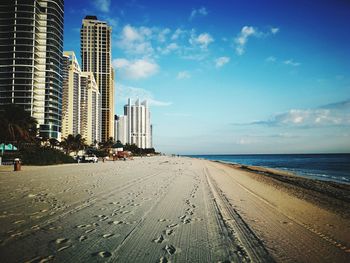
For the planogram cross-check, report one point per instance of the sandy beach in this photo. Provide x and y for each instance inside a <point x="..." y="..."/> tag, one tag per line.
<point x="164" y="209"/>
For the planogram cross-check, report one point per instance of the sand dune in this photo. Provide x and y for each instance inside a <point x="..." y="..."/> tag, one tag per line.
<point x="162" y="209"/>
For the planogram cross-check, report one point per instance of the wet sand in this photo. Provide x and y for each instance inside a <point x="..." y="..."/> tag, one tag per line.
<point x="164" y="209"/>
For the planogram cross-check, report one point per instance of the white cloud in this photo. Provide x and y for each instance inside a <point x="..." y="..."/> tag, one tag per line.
<point x="102" y="5"/>
<point x="335" y="114"/>
<point x="112" y="21"/>
<point x="183" y="75"/>
<point x="271" y="59"/>
<point x="126" y="92"/>
<point x="248" y="32"/>
<point x="203" y="40"/>
<point x="169" y="48"/>
<point x="198" y="12"/>
<point x="131" y="34"/>
<point x="291" y="62"/>
<point x="136" y="69"/>
<point x="162" y="35"/>
<point x="242" y="38"/>
<point x="177" y="34"/>
<point x="219" y="62"/>
<point x="274" y="30"/>
<point x="136" y="40"/>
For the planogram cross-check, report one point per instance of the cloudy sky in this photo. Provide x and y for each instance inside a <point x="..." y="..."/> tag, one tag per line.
<point x="231" y="76"/>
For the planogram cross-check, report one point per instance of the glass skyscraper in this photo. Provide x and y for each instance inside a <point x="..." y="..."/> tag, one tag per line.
<point x="31" y="45"/>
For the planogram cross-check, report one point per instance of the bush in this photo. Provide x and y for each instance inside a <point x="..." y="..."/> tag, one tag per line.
<point x="44" y="156"/>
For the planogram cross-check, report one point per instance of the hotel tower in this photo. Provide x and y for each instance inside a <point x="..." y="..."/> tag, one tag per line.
<point x="137" y="119"/>
<point x="96" y="58"/>
<point x="31" y="45"/>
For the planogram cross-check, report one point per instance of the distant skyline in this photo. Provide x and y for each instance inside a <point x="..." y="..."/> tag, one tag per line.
<point x="231" y="76"/>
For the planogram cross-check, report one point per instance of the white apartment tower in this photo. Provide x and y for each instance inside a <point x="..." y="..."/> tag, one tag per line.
<point x="81" y="101"/>
<point x="71" y="95"/>
<point x="96" y="58"/>
<point x="121" y="129"/>
<point x="138" y="124"/>
<point x="90" y="108"/>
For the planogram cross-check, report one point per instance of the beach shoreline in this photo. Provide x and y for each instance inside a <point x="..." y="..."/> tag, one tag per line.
<point x="331" y="195"/>
<point x="170" y="209"/>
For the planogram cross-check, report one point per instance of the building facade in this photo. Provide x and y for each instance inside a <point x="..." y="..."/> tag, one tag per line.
<point x="121" y="129"/>
<point x="96" y="57"/>
<point x="31" y="45"/>
<point x="138" y="124"/>
<point x="72" y="93"/>
<point x="90" y="109"/>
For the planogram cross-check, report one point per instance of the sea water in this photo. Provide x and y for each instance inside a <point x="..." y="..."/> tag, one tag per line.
<point x="331" y="167"/>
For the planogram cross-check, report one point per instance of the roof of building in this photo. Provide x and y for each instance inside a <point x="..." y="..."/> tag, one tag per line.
<point x="91" y="17"/>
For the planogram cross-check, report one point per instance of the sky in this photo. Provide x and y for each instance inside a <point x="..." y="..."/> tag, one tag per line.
<point x="231" y="77"/>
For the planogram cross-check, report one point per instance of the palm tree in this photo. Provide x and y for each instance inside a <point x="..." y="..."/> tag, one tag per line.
<point x="73" y="143"/>
<point x="53" y="142"/>
<point x="17" y="125"/>
<point x="108" y="144"/>
<point x="68" y="143"/>
<point x="80" y="143"/>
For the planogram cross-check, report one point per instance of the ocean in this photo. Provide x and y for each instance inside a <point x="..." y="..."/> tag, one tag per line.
<point x="329" y="167"/>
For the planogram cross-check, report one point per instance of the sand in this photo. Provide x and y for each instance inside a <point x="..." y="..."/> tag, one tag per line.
<point x="163" y="209"/>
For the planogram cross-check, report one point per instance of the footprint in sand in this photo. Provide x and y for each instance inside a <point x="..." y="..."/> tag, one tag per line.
<point x="185" y="219"/>
<point x="89" y="231"/>
<point x="61" y="240"/>
<point x="170" y="249"/>
<point x="17" y="234"/>
<point x="160" y="239"/>
<point x="172" y="225"/>
<point x="63" y="248"/>
<point x="103" y="217"/>
<point x="36" y="227"/>
<point x="102" y="254"/>
<point x="83" y="226"/>
<point x="107" y="235"/>
<point x="18" y="222"/>
<point x="169" y="232"/>
<point x="163" y="260"/>
<point x="162" y="220"/>
<point x="115" y="222"/>
<point x="82" y="238"/>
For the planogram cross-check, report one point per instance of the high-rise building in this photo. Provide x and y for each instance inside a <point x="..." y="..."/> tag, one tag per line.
<point x="81" y="101"/>
<point x="90" y="108"/>
<point x="96" y="58"/>
<point x="31" y="45"/>
<point x="138" y="124"/>
<point x="72" y="93"/>
<point x="121" y="129"/>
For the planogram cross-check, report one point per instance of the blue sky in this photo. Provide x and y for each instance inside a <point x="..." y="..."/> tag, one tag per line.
<point x="231" y="76"/>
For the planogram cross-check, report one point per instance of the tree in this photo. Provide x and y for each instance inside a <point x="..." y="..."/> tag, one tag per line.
<point x="73" y="143"/>
<point x="17" y="125"/>
<point x="53" y="142"/>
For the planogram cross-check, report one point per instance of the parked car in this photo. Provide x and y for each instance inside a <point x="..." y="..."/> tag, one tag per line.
<point x="90" y="158"/>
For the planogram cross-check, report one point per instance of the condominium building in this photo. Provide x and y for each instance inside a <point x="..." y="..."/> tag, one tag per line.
<point x="81" y="101"/>
<point x="31" y="45"/>
<point x="90" y="108"/>
<point x="71" y="98"/>
<point x="138" y="124"/>
<point x="96" y="58"/>
<point x="121" y="129"/>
